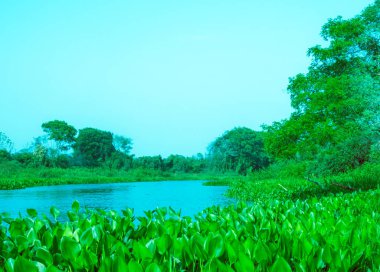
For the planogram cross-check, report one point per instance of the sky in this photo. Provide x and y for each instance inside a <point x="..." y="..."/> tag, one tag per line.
<point x="170" y="75"/>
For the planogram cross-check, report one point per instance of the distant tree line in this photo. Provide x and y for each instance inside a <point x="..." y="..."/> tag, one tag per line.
<point x="238" y="150"/>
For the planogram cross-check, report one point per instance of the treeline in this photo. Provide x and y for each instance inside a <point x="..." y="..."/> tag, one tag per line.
<point x="239" y="150"/>
<point x="64" y="146"/>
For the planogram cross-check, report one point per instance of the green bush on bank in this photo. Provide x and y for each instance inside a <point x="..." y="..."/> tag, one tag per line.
<point x="276" y="182"/>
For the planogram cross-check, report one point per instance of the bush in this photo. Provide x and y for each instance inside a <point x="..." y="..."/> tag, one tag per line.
<point x="5" y="155"/>
<point x="281" y="169"/>
<point x="25" y="158"/>
<point x="345" y="156"/>
<point x="62" y="161"/>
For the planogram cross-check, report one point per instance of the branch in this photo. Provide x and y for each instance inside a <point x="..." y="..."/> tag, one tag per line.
<point x="315" y="182"/>
<point x="343" y="186"/>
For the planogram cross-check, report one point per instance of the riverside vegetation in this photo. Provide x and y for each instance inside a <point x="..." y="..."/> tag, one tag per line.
<point x="311" y="183"/>
<point x="339" y="233"/>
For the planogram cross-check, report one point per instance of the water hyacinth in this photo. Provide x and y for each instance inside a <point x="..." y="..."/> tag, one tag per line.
<point x="338" y="233"/>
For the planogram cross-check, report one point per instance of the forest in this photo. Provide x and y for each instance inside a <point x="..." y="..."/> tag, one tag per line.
<point x="309" y="184"/>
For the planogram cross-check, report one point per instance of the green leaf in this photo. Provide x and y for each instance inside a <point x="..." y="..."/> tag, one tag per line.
<point x="178" y="248"/>
<point x="32" y="212"/>
<point x="244" y="263"/>
<point x="52" y="268"/>
<point x="222" y="267"/>
<point x="281" y="265"/>
<point x="72" y="216"/>
<point x="216" y="246"/>
<point x="44" y="255"/>
<point x="54" y="212"/>
<point x="22" y="243"/>
<point x="86" y="237"/>
<point x="134" y="266"/>
<point x="70" y="248"/>
<point x="153" y="267"/>
<point x="326" y="255"/>
<point x="119" y="264"/>
<point x="75" y="206"/>
<point x="22" y="264"/>
<point x="8" y="246"/>
<point x="9" y="264"/>
<point x="163" y="243"/>
<point x="260" y="253"/>
<point x="232" y="256"/>
<point x="47" y="239"/>
<point x="307" y="247"/>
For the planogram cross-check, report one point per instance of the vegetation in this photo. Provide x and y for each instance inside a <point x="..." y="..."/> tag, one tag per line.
<point x="311" y="182"/>
<point x="240" y="150"/>
<point x="332" y="233"/>
<point x="60" y="132"/>
<point x="280" y="184"/>
<point x="13" y="176"/>
<point x="335" y="123"/>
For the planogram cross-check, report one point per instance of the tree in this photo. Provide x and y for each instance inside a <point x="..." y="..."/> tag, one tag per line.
<point x="178" y="163"/>
<point x="337" y="103"/>
<point x="60" y="132"/>
<point x="122" y="144"/>
<point x="93" y="146"/>
<point x="119" y="160"/>
<point x="149" y="162"/>
<point x="5" y="143"/>
<point x="240" y="149"/>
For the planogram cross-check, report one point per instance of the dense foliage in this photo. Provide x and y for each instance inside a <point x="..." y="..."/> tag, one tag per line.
<point x="240" y="149"/>
<point x="336" y="104"/>
<point x="332" y="233"/>
<point x="60" y="132"/>
<point x="278" y="184"/>
<point x="93" y="146"/>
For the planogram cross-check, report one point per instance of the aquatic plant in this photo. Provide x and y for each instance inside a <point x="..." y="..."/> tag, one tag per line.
<point x="331" y="233"/>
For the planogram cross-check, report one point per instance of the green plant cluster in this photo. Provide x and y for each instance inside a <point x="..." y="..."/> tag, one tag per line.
<point x="332" y="233"/>
<point x="273" y="184"/>
<point x="15" y="177"/>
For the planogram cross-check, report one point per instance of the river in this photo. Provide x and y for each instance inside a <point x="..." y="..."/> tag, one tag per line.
<point x="188" y="196"/>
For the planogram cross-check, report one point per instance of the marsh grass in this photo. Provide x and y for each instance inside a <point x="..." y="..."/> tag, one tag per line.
<point x="12" y="176"/>
<point x="266" y="184"/>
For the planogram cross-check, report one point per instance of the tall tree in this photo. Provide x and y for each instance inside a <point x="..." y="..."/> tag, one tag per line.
<point x="122" y="144"/>
<point x="60" y="132"/>
<point x="240" y="149"/>
<point x="337" y="103"/>
<point x="93" y="146"/>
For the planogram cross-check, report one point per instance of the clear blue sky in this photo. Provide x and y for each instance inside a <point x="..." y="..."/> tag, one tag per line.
<point x="171" y="75"/>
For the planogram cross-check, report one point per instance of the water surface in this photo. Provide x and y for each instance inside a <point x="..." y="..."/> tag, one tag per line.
<point x="188" y="196"/>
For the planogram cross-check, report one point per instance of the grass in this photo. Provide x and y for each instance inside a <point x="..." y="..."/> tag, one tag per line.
<point x="266" y="184"/>
<point x="12" y="176"/>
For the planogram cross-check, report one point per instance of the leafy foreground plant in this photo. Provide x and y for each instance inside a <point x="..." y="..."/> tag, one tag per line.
<point x="340" y="233"/>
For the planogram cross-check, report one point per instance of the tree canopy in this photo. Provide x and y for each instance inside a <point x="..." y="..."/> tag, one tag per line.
<point x="240" y="149"/>
<point x="337" y="102"/>
<point x="93" y="146"/>
<point x="60" y="132"/>
<point x="122" y="144"/>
